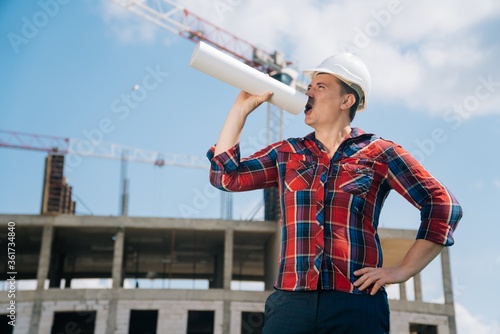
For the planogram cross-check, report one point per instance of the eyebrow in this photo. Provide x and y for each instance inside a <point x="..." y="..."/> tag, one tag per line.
<point x="318" y="83"/>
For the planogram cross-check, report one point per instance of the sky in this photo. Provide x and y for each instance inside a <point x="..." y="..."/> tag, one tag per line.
<point x="69" y="69"/>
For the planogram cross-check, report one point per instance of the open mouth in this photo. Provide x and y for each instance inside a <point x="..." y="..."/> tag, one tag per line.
<point x="308" y="107"/>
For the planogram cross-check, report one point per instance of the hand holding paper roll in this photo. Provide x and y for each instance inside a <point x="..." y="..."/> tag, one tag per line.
<point x="246" y="102"/>
<point x="224" y="67"/>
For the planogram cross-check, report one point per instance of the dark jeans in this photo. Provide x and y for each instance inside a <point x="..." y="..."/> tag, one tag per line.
<point x="327" y="312"/>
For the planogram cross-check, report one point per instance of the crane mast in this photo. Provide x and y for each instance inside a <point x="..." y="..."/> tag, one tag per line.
<point x="170" y="15"/>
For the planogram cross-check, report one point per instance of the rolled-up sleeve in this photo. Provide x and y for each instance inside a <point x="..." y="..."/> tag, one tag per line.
<point x="231" y="173"/>
<point x="226" y="161"/>
<point x="440" y="211"/>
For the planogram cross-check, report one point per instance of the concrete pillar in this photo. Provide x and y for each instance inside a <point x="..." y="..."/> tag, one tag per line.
<point x="402" y="291"/>
<point x="417" y="287"/>
<point x="117" y="271"/>
<point x="117" y="279"/>
<point x="448" y="287"/>
<point x="228" y="258"/>
<point x="228" y="275"/>
<point x="112" y="315"/>
<point x="271" y="256"/>
<point x="446" y="272"/>
<point x="44" y="258"/>
<point x="41" y="276"/>
<point x="36" y="315"/>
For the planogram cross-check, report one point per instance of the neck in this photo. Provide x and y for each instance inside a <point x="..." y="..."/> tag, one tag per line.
<point x="332" y="138"/>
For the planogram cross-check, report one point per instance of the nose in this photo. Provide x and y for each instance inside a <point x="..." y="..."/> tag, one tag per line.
<point x="309" y="91"/>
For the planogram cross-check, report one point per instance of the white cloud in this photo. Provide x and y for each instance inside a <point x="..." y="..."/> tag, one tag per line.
<point x="490" y="184"/>
<point x="469" y="323"/>
<point x="430" y="19"/>
<point x="126" y="26"/>
<point x="424" y="54"/>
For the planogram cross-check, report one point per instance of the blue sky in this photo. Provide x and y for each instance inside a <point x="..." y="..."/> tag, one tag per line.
<point x="436" y="84"/>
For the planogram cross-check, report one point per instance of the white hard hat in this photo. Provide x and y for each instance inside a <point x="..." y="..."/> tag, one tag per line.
<point x="351" y="70"/>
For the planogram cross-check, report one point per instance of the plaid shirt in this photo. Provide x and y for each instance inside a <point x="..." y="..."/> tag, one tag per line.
<point x="330" y="208"/>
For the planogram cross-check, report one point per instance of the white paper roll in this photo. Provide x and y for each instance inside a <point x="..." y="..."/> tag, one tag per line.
<point x="226" y="68"/>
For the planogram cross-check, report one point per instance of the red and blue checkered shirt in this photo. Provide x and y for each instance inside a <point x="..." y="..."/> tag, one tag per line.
<point x="330" y="208"/>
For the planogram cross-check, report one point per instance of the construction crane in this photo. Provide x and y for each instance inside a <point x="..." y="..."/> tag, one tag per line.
<point x="177" y="19"/>
<point x="61" y="146"/>
<point x="86" y="148"/>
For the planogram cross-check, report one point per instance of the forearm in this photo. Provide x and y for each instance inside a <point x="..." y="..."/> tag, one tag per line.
<point x="231" y="131"/>
<point x="421" y="253"/>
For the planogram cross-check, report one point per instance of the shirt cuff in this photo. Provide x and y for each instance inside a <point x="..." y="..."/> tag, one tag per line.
<point x="227" y="161"/>
<point x="438" y="232"/>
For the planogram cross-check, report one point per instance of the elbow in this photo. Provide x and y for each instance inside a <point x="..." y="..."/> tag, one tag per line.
<point x="215" y="179"/>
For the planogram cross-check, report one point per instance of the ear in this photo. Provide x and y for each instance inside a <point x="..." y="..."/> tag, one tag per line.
<point x="348" y="101"/>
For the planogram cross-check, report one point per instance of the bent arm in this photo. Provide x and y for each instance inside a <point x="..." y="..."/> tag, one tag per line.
<point x="420" y="254"/>
<point x="231" y="131"/>
<point x="227" y="171"/>
<point x="440" y="213"/>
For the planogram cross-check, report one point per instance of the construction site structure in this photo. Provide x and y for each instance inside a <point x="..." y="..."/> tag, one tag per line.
<point x="103" y="275"/>
<point x="96" y="274"/>
<point x="56" y="194"/>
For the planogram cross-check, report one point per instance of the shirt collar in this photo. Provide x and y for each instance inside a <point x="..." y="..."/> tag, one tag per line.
<point x="315" y="145"/>
<point x="355" y="132"/>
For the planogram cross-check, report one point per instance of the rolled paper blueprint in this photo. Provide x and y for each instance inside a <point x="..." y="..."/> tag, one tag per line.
<point x="237" y="74"/>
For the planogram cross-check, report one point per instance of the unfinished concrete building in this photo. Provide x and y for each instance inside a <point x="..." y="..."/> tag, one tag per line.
<point x="92" y="274"/>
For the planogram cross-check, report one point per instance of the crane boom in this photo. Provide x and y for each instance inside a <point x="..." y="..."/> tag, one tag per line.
<point x="36" y="142"/>
<point x="172" y="16"/>
<point x="60" y="145"/>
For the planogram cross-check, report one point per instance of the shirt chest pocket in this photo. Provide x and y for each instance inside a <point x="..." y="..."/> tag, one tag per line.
<point x="355" y="179"/>
<point x="299" y="175"/>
